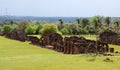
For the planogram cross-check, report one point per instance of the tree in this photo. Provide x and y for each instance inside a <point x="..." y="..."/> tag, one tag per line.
<point x="107" y="20"/>
<point x="22" y="25"/>
<point x="91" y="30"/>
<point x="30" y="29"/>
<point x="96" y="20"/>
<point x="117" y="22"/>
<point x="39" y="28"/>
<point x="7" y="28"/>
<point x="65" y="31"/>
<point x="47" y="28"/>
<point x="73" y="29"/>
<point x="11" y="21"/>
<point x="61" y="23"/>
<point x="1" y="23"/>
<point x="83" y="31"/>
<point x="85" y="22"/>
<point x="78" y="20"/>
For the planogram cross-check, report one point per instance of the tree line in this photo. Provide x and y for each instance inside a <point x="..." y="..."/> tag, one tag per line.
<point x="93" y="25"/>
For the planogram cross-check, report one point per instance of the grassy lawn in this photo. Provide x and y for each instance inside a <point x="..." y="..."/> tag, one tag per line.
<point x="15" y="55"/>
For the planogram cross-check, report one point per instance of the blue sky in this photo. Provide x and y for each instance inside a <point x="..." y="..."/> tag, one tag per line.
<point x="64" y="8"/>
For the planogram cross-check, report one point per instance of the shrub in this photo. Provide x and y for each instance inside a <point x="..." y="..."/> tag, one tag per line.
<point x="92" y="31"/>
<point x="22" y="25"/>
<point x="65" y="31"/>
<point x="39" y="28"/>
<point x="73" y="29"/>
<point x="47" y="28"/>
<point x="7" y="28"/>
<point x="30" y="29"/>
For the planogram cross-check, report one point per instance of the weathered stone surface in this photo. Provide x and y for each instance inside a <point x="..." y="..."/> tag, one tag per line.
<point x="110" y="37"/>
<point x="16" y="35"/>
<point x="67" y="45"/>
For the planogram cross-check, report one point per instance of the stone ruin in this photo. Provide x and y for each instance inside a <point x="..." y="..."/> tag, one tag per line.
<point x="53" y="39"/>
<point x="16" y="35"/>
<point x="73" y="44"/>
<point x="109" y="37"/>
<point x="76" y="45"/>
<point x="33" y="40"/>
<point x="67" y="45"/>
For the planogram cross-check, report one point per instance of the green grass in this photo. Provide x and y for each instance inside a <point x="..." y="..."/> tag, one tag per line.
<point x="91" y="37"/>
<point x="116" y="47"/>
<point x="15" y="55"/>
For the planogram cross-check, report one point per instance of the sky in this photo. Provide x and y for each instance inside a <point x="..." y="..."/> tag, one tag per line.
<point x="60" y="8"/>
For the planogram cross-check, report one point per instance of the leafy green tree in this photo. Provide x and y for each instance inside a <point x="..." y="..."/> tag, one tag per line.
<point x="7" y="28"/>
<point x="22" y="25"/>
<point x="97" y="21"/>
<point x="78" y="21"/>
<point x="85" y="22"/>
<point x="39" y="28"/>
<point x="30" y="29"/>
<point x="83" y="31"/>
<point x="47" y="28"/>
<point x="117" y="22"/>
<point x="11" y="21"/>
<point x="1" y="23"/>
<point x="73" y="29"/>
<point x="107" y="20"/>
<point x="92" y="30"/>
<point x="61" y="23"/>
<point x="65" y="31"/>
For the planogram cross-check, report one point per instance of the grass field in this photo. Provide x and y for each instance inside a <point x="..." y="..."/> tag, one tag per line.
<point x="15" y="55"/>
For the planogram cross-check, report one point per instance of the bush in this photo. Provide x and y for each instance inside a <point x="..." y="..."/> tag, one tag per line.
<point x="65" y="31"/>
<point x="39" y="28"/>
<point x="47" y="28"/>
<point x="30" y="29"/>
<point x="22" y="25"/>
<point x="92" y="31"/>
<point x="7" y="28"/>
<point x="83" y="31"/>
<point x="73" y="29"/>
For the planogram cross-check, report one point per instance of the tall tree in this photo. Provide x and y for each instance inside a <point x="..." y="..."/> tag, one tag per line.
<point x="61" y="23"/>
<point x="107" y="20"/>
<point x="22" y="25"/>
<point x="97" y="21"/>
<point x="7" y="28"/>
<point x="85" y="22"/>
<point x="117" y="22"/>
<point x="78" y="20"/>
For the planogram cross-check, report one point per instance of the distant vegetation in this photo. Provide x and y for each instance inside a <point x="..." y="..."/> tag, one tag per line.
<point x="93" y="25"/>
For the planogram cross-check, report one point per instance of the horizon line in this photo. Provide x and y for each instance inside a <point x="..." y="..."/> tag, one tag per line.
<point x="58" y="16"/>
